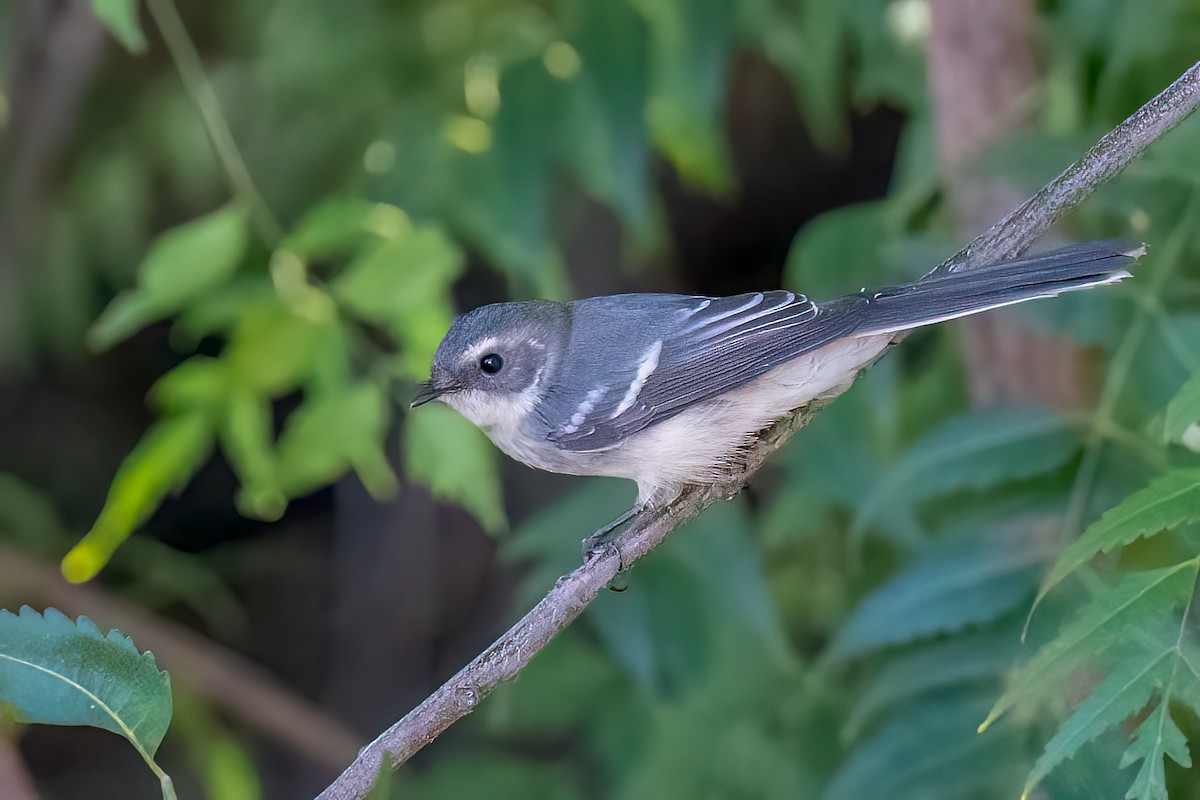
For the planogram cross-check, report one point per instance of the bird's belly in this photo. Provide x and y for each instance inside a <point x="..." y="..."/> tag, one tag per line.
<point x="702" y="444"/>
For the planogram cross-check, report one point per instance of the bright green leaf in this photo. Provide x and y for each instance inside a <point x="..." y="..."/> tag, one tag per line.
<point x="272" y="347"/>
<point x="121" y="19"/>
<point x="54" y="671"/>
<point x="975" y="450"/>
<point x="247" y="439"/>
<point x="184" y="263"/>
<point x="404" y="283"/>
<point x="1169" y="501"/>
<point x="1183" y="410"/>
<point x="456" y="461"/>
<point x="198" y="384"/>
<point x="341" y="225"/>
<point x="163" y="461"/>
<point x="326" y="437"/>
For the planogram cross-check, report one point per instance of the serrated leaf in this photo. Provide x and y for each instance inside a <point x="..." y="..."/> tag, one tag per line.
<point x="931" y="751"/>
<point x="1134" y="599"/>
<point x="1123" y="693"/>
<point x="120" y="17"/>
<point x="960" y="581"/>
<point x="933" y="667"/>
<point x="1183" y="410"/>
<point x="163" y="461"/>
<point x="325" y="437"/>
<point x="56" y="671"/>
<point x="456" y="461"/>
<point x="974" y="451"/>
<point x="1158" y="735"/>
<point x="1168" y="502"/>
<point x="184" y="263"/>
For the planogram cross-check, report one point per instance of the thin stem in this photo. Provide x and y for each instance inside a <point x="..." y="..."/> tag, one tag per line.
<point x="199" y="88"/>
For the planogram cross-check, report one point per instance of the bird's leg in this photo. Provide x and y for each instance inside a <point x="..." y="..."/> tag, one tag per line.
<point x="603" y="538"/>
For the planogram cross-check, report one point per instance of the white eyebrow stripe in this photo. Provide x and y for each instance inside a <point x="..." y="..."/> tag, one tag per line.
<point x="751" y="303"/>
<point x="646" y="368"/>
<point x="481" y="347"/>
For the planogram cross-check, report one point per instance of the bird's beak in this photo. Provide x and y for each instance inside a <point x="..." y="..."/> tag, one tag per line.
<point x="426" y="393"/>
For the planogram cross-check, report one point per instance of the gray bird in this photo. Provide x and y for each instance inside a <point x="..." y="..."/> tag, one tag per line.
<point x="667" y="390"/>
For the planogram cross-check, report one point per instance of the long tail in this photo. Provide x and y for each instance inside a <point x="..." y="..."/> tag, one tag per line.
<point x="924" y="302"/>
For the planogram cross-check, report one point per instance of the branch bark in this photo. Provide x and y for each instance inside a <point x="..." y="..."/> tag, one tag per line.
<point x="504" y="659"/>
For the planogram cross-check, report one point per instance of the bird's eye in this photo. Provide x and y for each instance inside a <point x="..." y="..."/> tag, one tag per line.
<point x="491" y="363"/>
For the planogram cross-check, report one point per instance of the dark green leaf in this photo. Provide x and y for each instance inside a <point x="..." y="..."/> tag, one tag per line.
<point x="1122" y="694"/>
<point x="975" y="450"/>
<point x="960" y="581"/>
<point x="55" y="671"/>
<point x="1135" y="600"/>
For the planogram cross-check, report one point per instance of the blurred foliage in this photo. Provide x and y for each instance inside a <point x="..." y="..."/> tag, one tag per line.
<point x="844" y="630"/>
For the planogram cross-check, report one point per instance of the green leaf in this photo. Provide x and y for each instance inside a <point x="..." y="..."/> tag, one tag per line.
<point x="273" y="346"/>
<point x="162" y="462"/>
<point x="850" y="237"/>
<point x="975" y="450"/>
<point x="247" y="439"/>
<point x="57" y="672"/>
<point x="1122" y="694"/>
<point x="692" y="44"/>
<point x="404" y="283"/>
<point x="341" y="225"/>
<point x="456" y="461"/>
<point x="931" y="751"/>
<point x="1183" y="410"/>
<point x="1158" y="735"/>
<point x="121" y="19"/>
<point x="960" y="581"/>
<point x="198" y="384"/>
<point x="327" y="436"/>
<point x="183" y="264"/>
<point x="933" y="668"/>
<point x="1132" y="601"/>
<point x="1168" y="502"/>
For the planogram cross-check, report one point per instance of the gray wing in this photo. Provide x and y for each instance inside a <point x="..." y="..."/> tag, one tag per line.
<point x="712" y="345"/>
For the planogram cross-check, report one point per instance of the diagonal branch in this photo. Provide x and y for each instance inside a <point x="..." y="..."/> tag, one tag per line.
<point x="1008" y="238"/>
